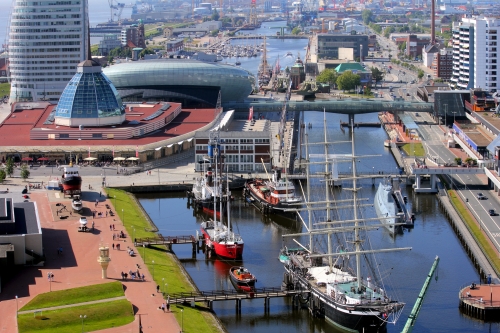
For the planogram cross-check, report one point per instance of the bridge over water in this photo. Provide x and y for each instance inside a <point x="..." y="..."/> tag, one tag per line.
<point x="350" y="106"/>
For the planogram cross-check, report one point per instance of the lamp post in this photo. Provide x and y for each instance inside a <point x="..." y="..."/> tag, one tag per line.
<point x="153" y="269"/>
<point x="115" y="202"/>
<point x="123" y="219"/>
<point x="133" y="234"/>
<point x="166" y="288"/>
<point x="445" y="114"/>
<point x="17" y="308"/>
<point x="50" y="281"/>
<point x="82" y="317"/>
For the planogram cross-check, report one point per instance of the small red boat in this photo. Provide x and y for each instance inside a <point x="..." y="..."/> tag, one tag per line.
<point x="242" y="279"/>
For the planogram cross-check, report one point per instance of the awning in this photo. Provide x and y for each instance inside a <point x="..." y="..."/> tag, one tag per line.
<point x="180" y="143"/>
<point x="90" y="159"/>
<point x="170" y="145"/>
<point x="30" y="158"/>
<point x="159" y="148"/>
<point x="43" y="159"/>
<point x="119" y="159"/>
<point x="132" y="158"/>
<point x="190" y="139"/>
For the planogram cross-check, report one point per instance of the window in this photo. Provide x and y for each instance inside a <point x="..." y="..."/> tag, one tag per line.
<point x="96" y="135"/>
<point x="246" y="141"/>
<point x="232" y="158"/>
<point x="246" y="148"/>
<point x="247" y="158"/>
<point x="63" y="136"/>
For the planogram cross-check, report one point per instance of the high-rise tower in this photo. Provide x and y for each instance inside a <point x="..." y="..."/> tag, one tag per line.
<point x="47" y="40"/>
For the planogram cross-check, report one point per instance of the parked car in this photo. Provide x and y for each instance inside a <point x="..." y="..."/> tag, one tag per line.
<point x="492" y="212"/>
<point x="480" y="196"/>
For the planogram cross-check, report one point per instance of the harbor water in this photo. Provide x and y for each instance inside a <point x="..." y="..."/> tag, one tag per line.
<point x="406" y="271"/>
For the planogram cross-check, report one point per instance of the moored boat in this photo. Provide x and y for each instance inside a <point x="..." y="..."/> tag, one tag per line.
<point x="242" y="279"/>
<point x="390" y="207"/>
<point x="274" y="195"/>
<point x="343" y="280"/>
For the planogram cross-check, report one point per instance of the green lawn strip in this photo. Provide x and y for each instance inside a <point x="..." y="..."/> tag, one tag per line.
<point x="166" y="267"/>
<point x="75" y="295"/>
<point x="413" y="149"/>
<point x="475" y="230"/>
<point x="4" y="89"/>
<point x="99" y="316"/>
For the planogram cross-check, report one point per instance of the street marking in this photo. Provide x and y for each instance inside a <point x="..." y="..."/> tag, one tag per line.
<point x="495" y="234"/>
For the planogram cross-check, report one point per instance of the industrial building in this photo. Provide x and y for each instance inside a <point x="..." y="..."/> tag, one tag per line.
<point x="329" y="45"/>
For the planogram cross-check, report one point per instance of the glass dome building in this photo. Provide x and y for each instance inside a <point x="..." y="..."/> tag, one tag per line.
<point x="89" y="99"/>
<point x="190" y="82"/>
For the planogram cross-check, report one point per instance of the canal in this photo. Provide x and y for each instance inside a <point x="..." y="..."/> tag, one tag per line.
<point x="407" y="270"/>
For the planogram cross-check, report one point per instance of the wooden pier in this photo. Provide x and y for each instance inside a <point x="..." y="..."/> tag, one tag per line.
<point x="481" y="301"/>
<point x="168" y="241"/>
<point x="232" y="295"/>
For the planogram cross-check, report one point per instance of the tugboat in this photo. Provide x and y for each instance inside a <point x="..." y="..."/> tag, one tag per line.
<point x="71" y="182"/>
<point x="273" y="195"/>
<point x="242" y="279"/>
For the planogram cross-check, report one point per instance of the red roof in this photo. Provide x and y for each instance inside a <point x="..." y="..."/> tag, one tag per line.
<point x="15" y="130"/>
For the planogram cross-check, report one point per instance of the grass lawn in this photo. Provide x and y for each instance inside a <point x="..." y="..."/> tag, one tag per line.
<point x="4" y="89"/>
<point x="99" y="316"/>
<point x="166" y="268"/>
<point x="475" y="229"/>
<point x="413" y="149"/>
<point x="75" y="295"/>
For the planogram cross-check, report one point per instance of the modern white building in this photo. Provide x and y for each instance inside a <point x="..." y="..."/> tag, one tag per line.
<point x="47" y="40"/>
<point x="476" y="56"/>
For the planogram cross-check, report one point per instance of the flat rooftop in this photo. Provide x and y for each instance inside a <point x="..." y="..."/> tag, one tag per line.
<point x="16" y="128"/>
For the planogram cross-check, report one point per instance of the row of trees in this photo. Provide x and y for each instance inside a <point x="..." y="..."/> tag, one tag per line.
<point x="8" y="170"/>
<point x="347" y="80"/>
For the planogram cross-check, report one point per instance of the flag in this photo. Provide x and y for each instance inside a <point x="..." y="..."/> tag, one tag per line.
<point x="89" y="151"/>
<point x="136" y="151"/>
<point x="250" y="114"/>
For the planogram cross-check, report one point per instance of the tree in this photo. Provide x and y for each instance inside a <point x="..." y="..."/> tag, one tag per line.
<point x="388" y="31"/>
<point x="328" y="76"/>
<point x="348" y="81"/>
<point x="214" y="33"/>
<point x="367" y="16"/>
<point x="3" y="175"/>
<point x="25" y="172"/>
<point x="296" y="31"/>
<point x="215" y="15"/>
<point x="420" y="74"/>
<point x="9" y="167"/>
<point x="146" y="51"/>
<point x="458" y="160"/>
<point x="377" y="75"/>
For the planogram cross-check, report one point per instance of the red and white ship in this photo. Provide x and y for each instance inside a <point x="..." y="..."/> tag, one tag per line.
<point x="71" y="181"/>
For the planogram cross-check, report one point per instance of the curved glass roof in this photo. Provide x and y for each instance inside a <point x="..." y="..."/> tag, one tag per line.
<point x="89" y="95"/>
<point x="235" y="83"/>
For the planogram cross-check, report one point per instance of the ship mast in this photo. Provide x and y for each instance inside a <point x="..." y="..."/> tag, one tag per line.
<point x="327" y="193"/>
<point x="309" y="211"/>
<point x="357" y="240"/>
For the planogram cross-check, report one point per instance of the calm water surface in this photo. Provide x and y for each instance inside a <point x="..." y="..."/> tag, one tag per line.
<point x="406" y="271"/>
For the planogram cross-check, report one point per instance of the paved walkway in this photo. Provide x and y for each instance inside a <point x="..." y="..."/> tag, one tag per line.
<point x="75" y="304"/>
<point x="78" y="266"/>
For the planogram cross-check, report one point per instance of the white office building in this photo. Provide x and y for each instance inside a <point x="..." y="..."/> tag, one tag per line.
<point x="476" y="56"/>
<point x="47" y="40"/>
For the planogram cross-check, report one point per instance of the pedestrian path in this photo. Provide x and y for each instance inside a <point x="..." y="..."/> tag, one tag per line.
<point x="73" y="305"/>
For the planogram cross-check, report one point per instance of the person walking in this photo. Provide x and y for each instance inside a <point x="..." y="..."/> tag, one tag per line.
<point x="113" y="246"/>
<point x="163" y="307"/>
<point x="157" y="288"/>
<point x="168" y="303"/>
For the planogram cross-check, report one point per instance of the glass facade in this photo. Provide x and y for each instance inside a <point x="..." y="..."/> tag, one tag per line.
<point x="89" y="95"/>
<point x="47" y="40"/>
<point x="191" y="76"/>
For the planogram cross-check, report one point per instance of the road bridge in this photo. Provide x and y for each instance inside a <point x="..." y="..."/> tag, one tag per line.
<point x="351" y="106"/>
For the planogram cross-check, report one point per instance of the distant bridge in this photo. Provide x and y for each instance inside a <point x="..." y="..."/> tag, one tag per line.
<point x="344" y="106"/>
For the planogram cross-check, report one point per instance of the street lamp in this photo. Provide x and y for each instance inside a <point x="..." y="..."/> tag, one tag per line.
<point x="50" y="281"/>
<point x="166" y="288"/>
<point x="123" y="219"/>
<point x="153" y="269"/>
<point x="115" y="201"/>
<point x="82" y="317"/>
<point x="17" y="308"/>
<point x="133" y="237"/>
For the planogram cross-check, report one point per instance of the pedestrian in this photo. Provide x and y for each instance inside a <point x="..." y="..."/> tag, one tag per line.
<point x="110" y="227"/>
<point x="92" y="225"/>
<point x="113" y="227"/>
<point x="168" y="303"/>
<point x="96" y="202"/>
<point x="158" y="288"/>
<point x="113" y="246"/>
<point x="48" y="276"/>
<point x="163" y="307"/>
<point x="114" y="237"/>
<point x="106" y="213"/>
<point x="143" y="277"/>
<point x="118" y="246"/>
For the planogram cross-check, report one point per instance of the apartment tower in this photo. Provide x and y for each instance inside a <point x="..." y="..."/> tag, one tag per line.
<point x="47" y="40"/>
<point x="476" y="56"/>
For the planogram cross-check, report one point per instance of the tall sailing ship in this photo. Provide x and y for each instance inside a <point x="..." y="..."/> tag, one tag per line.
<point x="336" y="282"/>
<point x="219" y="237"/>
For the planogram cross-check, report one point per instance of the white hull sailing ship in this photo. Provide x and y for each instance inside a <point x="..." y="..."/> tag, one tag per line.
<point x="337" y="283"/>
